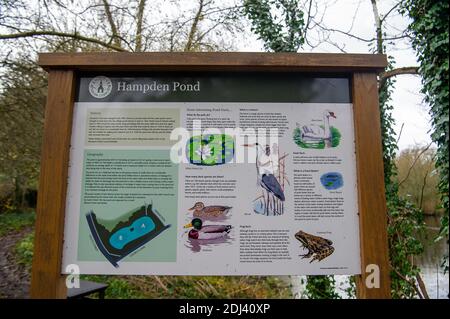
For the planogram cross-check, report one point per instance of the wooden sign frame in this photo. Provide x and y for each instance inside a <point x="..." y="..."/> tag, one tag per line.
<point x="47" y="280"/>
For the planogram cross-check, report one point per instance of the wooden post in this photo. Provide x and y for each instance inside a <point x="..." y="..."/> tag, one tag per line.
<point x="371" y="196"/>
<point x="46" y="278"/>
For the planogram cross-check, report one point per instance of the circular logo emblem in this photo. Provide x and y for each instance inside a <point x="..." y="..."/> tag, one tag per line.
<point x="100" y="87"/>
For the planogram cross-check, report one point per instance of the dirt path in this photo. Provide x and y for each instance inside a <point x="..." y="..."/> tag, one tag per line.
<point x="14" y="278"/>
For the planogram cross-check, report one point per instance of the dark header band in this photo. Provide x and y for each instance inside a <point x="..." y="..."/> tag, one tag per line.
<point x="214" y="87"/>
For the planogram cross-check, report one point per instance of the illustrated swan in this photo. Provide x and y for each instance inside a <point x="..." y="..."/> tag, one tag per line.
<point x="315" y="133"/>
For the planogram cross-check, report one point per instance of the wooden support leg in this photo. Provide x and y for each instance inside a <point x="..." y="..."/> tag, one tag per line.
<point x="46" y="278"/>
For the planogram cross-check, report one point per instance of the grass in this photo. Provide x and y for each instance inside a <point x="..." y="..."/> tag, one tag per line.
<point x="10" y="222"/>
<point x="125" y="287"/>
<point x="189" y="287"/>
<point x="119" y="287"/>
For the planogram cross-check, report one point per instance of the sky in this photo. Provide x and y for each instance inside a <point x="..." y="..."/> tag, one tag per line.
<point x="409" y="109"/>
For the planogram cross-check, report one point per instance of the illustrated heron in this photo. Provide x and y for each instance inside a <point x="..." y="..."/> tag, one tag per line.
<point x="265" y="175"/>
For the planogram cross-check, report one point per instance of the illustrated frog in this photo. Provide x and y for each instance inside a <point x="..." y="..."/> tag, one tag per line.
<point x="318" y="247"/>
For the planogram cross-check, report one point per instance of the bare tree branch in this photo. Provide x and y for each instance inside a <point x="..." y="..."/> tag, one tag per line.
<point x="390" y="11"/>
<point x="28" y="34"/>
<point x="403" y="70"/>
<point x="422" y="190"/>
<point x="398" y="71"/>
<point x="424" y="184"/>
<point x="414" y="163"/>
<point x="400" y="133"/>
<point x="308" y="20"/>
<point x="393" y="37"/>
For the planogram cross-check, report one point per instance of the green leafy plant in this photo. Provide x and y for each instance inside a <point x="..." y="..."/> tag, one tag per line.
<point x="404" y="219"/>
<point x="321" y="287"/>
<point x="279" y="23"/>
<point x="429" y="30"/>
<point x="405" y="224"/>
<point x="24" y="250"/>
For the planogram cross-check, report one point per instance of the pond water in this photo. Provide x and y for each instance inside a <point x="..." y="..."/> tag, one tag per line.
<point x="436" y="282"/>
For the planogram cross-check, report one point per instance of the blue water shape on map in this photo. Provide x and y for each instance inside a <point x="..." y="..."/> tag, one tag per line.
<point x="125" y="235"/>
<point x="332" y="180"/>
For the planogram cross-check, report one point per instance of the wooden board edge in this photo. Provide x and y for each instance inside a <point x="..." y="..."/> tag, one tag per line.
<point x="214" y="61"/>
<point x="46" y="278"/>
<point x="371" y="190"/>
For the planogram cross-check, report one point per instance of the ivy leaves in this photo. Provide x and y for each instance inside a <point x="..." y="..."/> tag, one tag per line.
<point x="279" y="23"/>
<point x="430" y="32"/>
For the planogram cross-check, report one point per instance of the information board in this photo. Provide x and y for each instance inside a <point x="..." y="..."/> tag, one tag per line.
<point x="212" y="174"/>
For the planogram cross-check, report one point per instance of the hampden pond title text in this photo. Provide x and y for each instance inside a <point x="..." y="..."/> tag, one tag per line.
<point x="154" y="86"/>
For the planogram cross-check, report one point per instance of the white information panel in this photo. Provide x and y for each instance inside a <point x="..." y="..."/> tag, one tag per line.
<point x="182" y="187"/>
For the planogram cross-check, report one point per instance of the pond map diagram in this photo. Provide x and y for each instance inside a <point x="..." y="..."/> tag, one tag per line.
<point x="126" y="237"/>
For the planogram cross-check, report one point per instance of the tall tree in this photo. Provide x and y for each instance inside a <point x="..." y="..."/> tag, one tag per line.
<point x="430" y="32"/>
<point x="22" y="100"/>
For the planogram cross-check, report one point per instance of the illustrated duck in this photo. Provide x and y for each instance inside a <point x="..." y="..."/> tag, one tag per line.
<point x="206" y="232"/>
<point x="202" y="211"/>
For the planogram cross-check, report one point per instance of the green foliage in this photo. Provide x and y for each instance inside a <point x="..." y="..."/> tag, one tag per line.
<point x="404" y="219"/>
<point x="351" y="289"/>
<point x="321" y="287"/>
<point x="279" y="23"/>
<point x="430" y="32"/>
<point x="389" y="142"/>
<point x="13" y="222"/>
<point x="405" y="224"/>
<point x="24" y="250"/>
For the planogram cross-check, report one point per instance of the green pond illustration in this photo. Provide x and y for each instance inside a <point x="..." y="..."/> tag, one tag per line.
<point x="319" y="143"/>
<point x="210" y="149"/>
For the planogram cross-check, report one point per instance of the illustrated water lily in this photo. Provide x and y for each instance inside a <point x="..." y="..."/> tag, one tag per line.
<point x="204" y="151"/>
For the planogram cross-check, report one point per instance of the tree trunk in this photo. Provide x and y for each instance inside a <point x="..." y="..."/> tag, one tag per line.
<point x="140" y="20"/>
